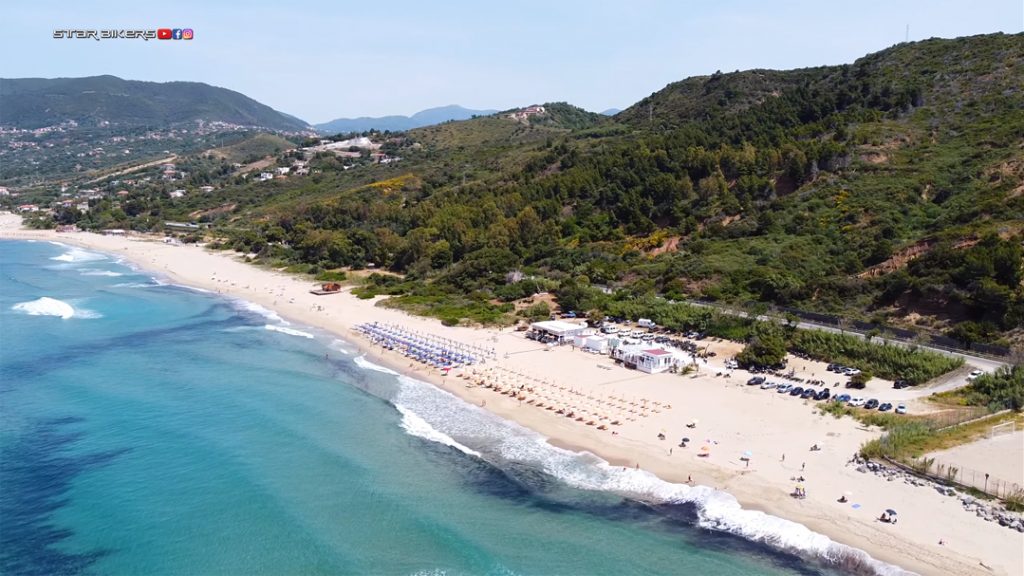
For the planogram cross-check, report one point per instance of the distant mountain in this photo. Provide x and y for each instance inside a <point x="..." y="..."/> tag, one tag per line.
<point x="420" y="119"/>
<point x="611" y="112"/>
<point x="95" y="100"/>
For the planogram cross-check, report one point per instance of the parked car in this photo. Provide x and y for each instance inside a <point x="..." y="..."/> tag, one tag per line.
<point x="974" y="374"/>
<point x="784" y="388"/>
<point x="569" y="314"/>
<point x="842" y="398"/>
<point x="885" y="407"/>
<point x="898" y="384"/>
<point x="851" y="371"/>
<point x="901" y="408"/>
<point x="809" y="393"/>
<point x="646" y="323"/>
<point x="855" y="385"/>
<point x="796" y="391"/>
<point x="732" y="364"/>
<point x="609" y="328"/>
<point x="857" y="401"/>
<point x="871" y="404"/>
<point x="756" y="381"/>
<point x="768" y="385"/>
<point x="824" y="394"/>
<point x="831" y="368"/>
<point x="637" y="333"/>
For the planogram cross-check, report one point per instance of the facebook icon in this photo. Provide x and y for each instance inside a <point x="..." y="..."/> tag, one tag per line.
<point x="176" y="34"/>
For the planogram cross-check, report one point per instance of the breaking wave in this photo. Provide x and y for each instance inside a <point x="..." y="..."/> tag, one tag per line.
<point x="417" y="426"/>
<point x="434" y="414"/>
<point x="247" y="306"/>
<point x="96" y="272"/>
<point x="289" y="331"/>
<point x="365" y="364"/>
<point x="79" y="255"/>
<point x="47" y="306"/>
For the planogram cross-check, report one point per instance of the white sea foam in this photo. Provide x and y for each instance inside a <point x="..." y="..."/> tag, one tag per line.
<point x="365" y="364"/>
<point x="136" y="285"/>
<point x="289" y="331"/>
<point x="97" y="272"/>
<point x="444" y="418"/>
<point x="75" y="254"/>
<point x="47" y="306"/>
<point x="185" y="286"/>
<point x="340" y="346"/>
<point x="257" y="309"/>
<point x="417" y="426"/>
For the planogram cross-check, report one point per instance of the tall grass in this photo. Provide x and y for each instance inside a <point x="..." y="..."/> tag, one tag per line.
<point x="888" y="361"/>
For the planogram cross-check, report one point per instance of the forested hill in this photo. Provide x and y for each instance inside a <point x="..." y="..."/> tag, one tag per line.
<point x="944" y="75"/>
<point x="890" y="189"/>
<point x="109" y="100"/>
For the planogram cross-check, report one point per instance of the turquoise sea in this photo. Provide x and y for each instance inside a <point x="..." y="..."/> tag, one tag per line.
<point x="147" y="428"/>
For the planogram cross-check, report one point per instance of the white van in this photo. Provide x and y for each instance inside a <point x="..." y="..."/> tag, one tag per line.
<point x="646" y="323"/>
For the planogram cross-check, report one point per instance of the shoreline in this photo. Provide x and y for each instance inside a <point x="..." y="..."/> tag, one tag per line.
<point x="762" y="487"/>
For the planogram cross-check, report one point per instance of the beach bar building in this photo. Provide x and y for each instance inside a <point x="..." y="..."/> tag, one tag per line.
<point x="555" y="331"/>
<point x="645" y="359"/>
<point x="654" y="360"/>
<point x="596" y="343"/>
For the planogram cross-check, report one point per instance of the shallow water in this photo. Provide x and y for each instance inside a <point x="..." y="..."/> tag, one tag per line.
<point x="158" y="430"/>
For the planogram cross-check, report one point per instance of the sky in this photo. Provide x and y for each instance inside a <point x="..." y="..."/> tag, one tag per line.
<point x="320" y="60"/>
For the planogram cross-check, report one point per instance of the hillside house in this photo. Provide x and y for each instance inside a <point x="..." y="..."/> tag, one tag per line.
<point x="524" y="113"/>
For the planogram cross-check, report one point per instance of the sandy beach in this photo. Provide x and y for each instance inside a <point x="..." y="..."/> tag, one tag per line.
<point x="733" y="419"/>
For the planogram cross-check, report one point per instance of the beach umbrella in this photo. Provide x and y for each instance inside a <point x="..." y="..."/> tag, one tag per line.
<point x="705" y="448"/>
<point x="890" y="512"/>
<point x="748" y="453"/>
<point x="685" y="439"/>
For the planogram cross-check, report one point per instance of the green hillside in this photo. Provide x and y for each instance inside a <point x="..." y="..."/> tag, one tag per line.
<point x="108" y="100"/>
<point x="888" y="190"/>
<point x="253" y="148"/>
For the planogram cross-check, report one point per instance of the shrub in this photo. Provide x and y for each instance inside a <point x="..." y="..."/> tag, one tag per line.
<point x="1002" y="389"/>
<point x="888" y="361"/>
<point x="332" y="276"/>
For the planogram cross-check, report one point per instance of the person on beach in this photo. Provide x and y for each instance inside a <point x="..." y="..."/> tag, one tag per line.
<point x="803" y="465"/>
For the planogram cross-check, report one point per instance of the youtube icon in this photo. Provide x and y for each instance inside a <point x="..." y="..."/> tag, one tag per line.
<point x="164" y="33"/>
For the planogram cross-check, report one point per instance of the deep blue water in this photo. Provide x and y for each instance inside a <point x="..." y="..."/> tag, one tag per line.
<point x="160" y="430"/>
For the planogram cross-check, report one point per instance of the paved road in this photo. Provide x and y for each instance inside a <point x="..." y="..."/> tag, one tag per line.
<point x="986" y="364"/>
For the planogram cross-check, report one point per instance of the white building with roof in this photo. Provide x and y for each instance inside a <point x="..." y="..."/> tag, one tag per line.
<point x="555" y="331"/>
<point x="645" y="358"/>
